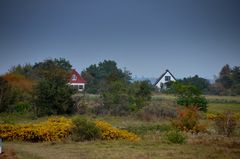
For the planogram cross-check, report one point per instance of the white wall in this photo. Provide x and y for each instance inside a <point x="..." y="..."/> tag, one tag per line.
<point x="163" y="80"/>
<point x="78" y="84"/>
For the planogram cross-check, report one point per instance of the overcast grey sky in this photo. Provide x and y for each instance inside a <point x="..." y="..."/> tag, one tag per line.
<point x="187" y="37"/>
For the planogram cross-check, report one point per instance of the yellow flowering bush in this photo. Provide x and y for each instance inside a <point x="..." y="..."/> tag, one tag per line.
<point x="109" y="132"/>
<point x="54" y="129"/>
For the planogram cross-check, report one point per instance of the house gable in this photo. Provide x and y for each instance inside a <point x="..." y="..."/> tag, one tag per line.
<point x="167" y="76"/>
<point x="76" y="80"/>
<point x="75" y="77"/>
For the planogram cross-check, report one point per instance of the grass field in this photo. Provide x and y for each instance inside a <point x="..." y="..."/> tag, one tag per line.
<point x="223" y="107"/>
<point x="146" y="149"/>
<point x="151" y="145"/>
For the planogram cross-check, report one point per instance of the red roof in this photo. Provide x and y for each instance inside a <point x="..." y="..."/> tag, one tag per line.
<point x="75" y="77"/>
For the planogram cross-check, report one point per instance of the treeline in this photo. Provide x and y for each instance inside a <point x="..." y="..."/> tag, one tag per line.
<point x="42" y="88"/>
<point x="226" y="83"/>
<point x="119" y="95"/>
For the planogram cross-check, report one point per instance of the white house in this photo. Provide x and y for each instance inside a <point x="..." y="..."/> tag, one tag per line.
<point x="76" y="80"/>
<point x="162" y="81"/>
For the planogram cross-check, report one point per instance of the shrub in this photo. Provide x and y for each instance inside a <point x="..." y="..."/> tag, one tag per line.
<point x="157" y="110"/>
<point x="109" y="132"/>
<point x="175" y="136"/>
<point x="188" y="120"/>
<point x="54" y="129"/>
<point x="84" y="129"/>
<point x="225" y="122"/>
<point x="22" y="107"/>
<point x="189" y="95"/>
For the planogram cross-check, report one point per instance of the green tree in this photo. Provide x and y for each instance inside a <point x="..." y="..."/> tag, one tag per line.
<point x="199" y="82"/>
<point x="25" y="70"/>
<point x="7" y="95"/>
<point x="52" y="95"/>
<point x="98" y="76"/>
<point x="142" y="93"/>
<point x="189" y="95"/>
<point x="225" y="77"/>
<point x="235" y="76"/>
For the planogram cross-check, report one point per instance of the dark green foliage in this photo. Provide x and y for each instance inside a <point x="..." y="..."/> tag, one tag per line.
<point x="85" y="130"/>
<point x="142" y="93"/>
<point x="8" y="96"/>
<point x="98" y="76"/>
<point x="52" y="95"/>
<point x="175" y="137"/>
<point x="228" y="82"/>
<point x="25" y="70"/>
<point x="116" y="98"/>
<point x="189" y="95"/>
<point x="22" y="107"/>
<point x="119" y="96"/>
<point x="52" y="69"/>
<point x="199" y="82"/>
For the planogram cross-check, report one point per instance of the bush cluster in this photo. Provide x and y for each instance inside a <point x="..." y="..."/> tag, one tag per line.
<point x="84" y="129"/>
<point x="109" y="132"/>
<point x="225" y="122"/>
<point x="188" y="120"/>
<point x="175" y="136"/>
<point x="54" y="129"/>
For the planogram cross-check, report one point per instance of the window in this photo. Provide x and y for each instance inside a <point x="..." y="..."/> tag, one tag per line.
<point x="167" y="78"/>
<point x="80" y="87"/>
<point x="74" y="77"/>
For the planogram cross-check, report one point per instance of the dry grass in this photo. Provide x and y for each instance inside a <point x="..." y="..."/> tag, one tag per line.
<point x="151" y="148"/>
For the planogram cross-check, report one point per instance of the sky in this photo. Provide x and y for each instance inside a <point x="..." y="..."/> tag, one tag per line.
<point x="146" y="37"/>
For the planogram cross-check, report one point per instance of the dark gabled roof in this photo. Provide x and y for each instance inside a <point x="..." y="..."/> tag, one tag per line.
<point x="163" y="76"/>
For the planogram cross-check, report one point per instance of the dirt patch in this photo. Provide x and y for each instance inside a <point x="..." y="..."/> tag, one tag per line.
<point x="8" y="154"/>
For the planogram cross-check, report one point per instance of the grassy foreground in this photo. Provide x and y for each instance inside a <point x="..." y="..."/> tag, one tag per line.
<point x="145" y="149"/>
<point x="151" y="146"/>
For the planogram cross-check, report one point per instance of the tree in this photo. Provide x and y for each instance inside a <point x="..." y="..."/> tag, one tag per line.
<point x="228" y="82"/>
<point x="189" y="95"/>
<point x="7" y="95"/>
<point x="225" y="77"/>
<point x="119" y="96"/>
<point x="24" y="70"/>
<point x="199" y="82"/>
<point x="52" y="95"/>
<point x="98" y="76"/>
<point x="46" y="69"/>
<point x="142" y="93"/>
